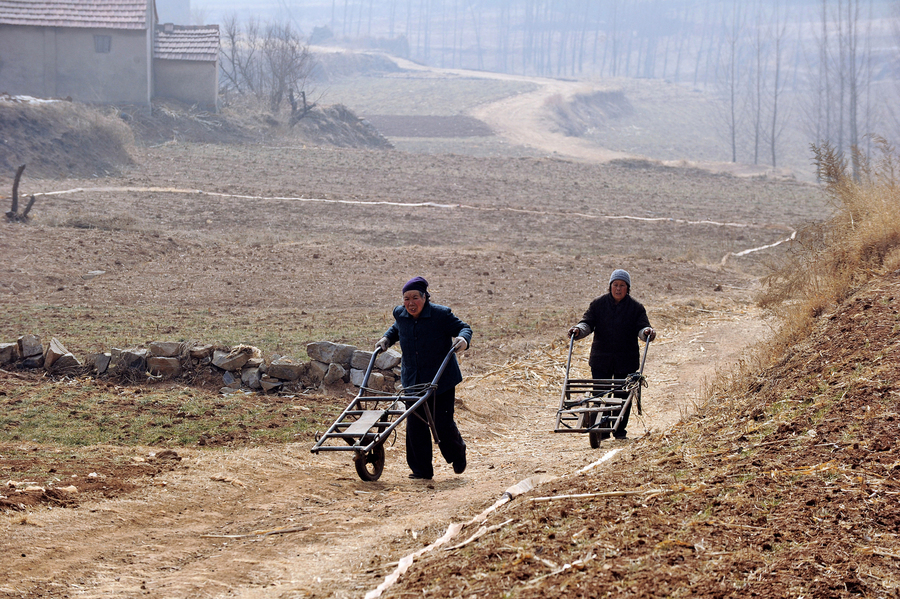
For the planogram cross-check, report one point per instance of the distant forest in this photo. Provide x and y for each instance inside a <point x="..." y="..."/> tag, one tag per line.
<point x="835" y="63"/>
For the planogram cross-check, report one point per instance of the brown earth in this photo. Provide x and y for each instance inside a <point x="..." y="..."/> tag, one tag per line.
<point x="288" y="238"/>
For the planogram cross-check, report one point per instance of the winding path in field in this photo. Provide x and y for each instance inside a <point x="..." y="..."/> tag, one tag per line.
<point x="523" y="120"/>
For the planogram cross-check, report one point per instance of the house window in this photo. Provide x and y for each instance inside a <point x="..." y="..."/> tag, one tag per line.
<point x="102" y="43"/>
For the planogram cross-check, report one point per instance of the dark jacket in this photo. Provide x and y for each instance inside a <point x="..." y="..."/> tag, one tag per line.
<point x="615" y="326"/>
<point x="425" y="342"/>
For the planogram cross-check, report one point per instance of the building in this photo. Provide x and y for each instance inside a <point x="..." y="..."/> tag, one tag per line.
<point x="105" y="52"/>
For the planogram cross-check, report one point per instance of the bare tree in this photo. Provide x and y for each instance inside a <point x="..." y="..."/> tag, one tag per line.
<point x="777" y="120"/>
<point x="267" y="61"/>
<point x="728" y="78"/>
<point x="287" y="63"/>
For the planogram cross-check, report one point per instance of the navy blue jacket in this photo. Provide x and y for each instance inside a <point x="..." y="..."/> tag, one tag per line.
<point x="425" y="342"/>
<point x="616" y="327"/>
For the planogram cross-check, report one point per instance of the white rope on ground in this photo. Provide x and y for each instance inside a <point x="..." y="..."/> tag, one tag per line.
<point x="514" y="491"/>
<point x="679" y="221"/>
<point x="608" y="455"/>
<point x="758" y="249"/>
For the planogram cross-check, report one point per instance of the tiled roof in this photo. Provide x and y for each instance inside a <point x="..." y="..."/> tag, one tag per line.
<point x="99" y="14"/>
<point x="182" y="42"/>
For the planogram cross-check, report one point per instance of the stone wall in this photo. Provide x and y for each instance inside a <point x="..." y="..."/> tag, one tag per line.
<point x="242" y="368"/>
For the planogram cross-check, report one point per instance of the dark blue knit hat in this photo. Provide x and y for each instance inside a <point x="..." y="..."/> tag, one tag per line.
<point x="416" y="284"/>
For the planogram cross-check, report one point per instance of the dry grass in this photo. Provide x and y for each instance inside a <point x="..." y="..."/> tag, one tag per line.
<point x="861" y="239"/>
<point x="58" y="137"/>
<point x="829" y="260"/>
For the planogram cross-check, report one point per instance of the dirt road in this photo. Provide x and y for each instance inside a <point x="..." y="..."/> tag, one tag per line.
<point x="280" y="522"/>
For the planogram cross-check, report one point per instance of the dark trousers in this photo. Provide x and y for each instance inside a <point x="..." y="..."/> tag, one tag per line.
<point x="620" y="432"/>
<point x="418" y="434"/>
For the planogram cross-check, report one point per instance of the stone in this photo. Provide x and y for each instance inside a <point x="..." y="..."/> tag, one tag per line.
<point x="254" y="363"/>
<point x="360" y="359"/>
<point x="387" y="360"/>
<point x="250" y="377"/>
<point x="376" y="379"/>
<point x="285" y="369"/>
<point x="356" y="377"/>
<point x="101" y="362"/>
<point x="166" y="367"/>
<point x="33" y="362"/>
<point x="165" y="349"/>
<point x="9" y="353"/>
<point x="316" y="371"/>
<point x="232" y="361"/>
<point x="53" y="352"/>
<point x="64" y="363"/>
<point x="228" y="379"/>
<point x="334" y="374"/>
<point x="331" y="353"/>
<point x="201" y="352"/>
<point x="270" y="384"/>
<point x="30" y="346"/>
<point x="130" y="359"/>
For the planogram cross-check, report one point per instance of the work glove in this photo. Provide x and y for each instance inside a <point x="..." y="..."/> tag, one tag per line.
<point x="578" y="331"/>
<point x="460" y="344"/>
<point x="383" y="344"/>
<point x="647" y="334"/>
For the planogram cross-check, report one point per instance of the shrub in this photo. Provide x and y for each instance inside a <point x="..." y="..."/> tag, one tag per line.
<point x="861" y="239"/>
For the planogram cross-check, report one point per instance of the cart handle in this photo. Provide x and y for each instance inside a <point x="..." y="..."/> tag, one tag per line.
<point x="365" y="381"/>
<point x="644" y="359"/>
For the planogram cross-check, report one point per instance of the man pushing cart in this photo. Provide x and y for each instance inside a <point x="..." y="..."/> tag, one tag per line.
<point x="602" y="405"/>
<point x="430" y="335"/>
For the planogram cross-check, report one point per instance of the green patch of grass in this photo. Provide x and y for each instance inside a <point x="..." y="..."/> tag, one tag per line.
<point x="79" y="414"/>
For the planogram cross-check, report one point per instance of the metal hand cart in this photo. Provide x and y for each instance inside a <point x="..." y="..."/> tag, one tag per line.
<point x="596" y="406"/>
<point x="371" y="417"/>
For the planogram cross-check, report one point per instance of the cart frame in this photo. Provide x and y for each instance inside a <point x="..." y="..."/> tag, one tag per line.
<point x="371" y="417"/>
<point x="595" y="406"/>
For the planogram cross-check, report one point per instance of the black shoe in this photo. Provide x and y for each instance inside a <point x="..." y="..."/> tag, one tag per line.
<point x="620" y="435"/>
<point x="415" y="476"/>
<point x="459" y="466"/>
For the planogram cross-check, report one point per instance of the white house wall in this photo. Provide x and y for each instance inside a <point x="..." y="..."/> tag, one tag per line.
<point x="189" y="81"/>
<point x="57" y="62"/>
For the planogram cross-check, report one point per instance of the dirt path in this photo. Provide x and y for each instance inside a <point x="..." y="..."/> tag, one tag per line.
<point x="340" y="535"/>
<point x="522" y="119"/>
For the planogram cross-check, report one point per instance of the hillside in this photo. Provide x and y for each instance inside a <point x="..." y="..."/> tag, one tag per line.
<point x="787" y="486"/>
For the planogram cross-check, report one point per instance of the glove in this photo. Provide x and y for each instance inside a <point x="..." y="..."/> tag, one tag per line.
<point x="460" y="343"/>
<point x="383" y="344"/>
<point x="647" y="334"/>
<point x="579" y="330"/>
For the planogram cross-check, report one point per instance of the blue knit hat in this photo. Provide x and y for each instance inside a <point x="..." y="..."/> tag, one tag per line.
<point x="620" y="275"/>
<point x="416" y="284"/>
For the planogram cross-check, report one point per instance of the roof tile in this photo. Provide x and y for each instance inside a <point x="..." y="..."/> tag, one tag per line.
<point x="100" y="14"/>
<point x="182" y="42"/>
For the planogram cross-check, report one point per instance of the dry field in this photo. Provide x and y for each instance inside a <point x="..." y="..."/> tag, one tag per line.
<point x="283" y="243"/>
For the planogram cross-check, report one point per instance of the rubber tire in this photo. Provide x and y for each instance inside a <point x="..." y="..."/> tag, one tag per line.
<point x="370" y="465"/>
<point x="595" y="440"/>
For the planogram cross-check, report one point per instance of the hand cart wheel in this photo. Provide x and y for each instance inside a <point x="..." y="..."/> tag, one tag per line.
<point x="370" y="465"/>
